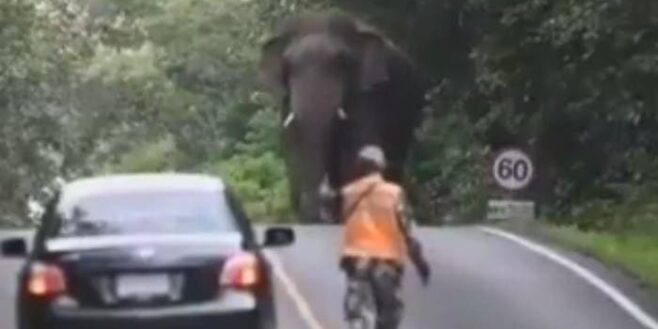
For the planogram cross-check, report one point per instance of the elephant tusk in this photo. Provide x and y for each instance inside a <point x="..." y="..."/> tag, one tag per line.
<point x="341" y="113"/>
<point x="289" y="119"/>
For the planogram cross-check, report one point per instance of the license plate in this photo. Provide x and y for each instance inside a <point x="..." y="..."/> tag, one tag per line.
<point x="142" y="285"/>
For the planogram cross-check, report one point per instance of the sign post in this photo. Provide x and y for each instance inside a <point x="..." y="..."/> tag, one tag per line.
<point x="513" y="171"/>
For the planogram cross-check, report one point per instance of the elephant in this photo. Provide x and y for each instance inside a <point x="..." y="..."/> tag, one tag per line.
<point x="343" y="85"/>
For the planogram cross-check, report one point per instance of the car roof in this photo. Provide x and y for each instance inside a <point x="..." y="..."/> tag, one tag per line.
<point x="146" y="182"/>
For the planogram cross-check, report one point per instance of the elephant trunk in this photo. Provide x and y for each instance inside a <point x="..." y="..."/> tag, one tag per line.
<point x="316" y="101"/>
<point x="313" y="170"/>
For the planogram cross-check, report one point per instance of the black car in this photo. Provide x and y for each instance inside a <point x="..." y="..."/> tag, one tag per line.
<point x="146" y="251"/>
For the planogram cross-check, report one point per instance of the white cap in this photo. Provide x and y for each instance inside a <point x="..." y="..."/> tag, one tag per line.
<point x="373" y="153"/>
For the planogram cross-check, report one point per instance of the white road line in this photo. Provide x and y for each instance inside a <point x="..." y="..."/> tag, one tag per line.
<point x="291" y="289"/>
<point x="618" y="297"/>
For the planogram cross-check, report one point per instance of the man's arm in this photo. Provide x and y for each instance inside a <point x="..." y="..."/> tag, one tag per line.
<point x="404" y="217"/>
<point x="407" y="223"/>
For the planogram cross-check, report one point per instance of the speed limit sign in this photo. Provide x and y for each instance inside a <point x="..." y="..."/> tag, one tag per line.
<point x="513" y="169"/>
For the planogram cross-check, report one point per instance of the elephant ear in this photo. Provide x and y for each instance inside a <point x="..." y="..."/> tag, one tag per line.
<point x="374" y="60"/>
<point x="271" y="71"/>
<point x="272" y="68"/>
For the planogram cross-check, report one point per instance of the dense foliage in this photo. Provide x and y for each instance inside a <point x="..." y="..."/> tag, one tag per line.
<point x="101" y="86"/>
<point x="574" y="82"/>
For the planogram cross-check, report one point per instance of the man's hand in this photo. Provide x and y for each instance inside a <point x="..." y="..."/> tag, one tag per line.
<point x="329" y="203"/>
<point x="424" y="272"/>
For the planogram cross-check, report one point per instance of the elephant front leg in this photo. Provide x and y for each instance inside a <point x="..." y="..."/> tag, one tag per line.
<point x="294" y="194"/>
<point x="291" y="173"/>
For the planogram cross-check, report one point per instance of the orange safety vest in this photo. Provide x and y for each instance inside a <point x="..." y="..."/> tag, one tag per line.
<point x="372" y="228"/>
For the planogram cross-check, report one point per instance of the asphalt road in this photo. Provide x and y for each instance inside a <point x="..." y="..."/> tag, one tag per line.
<point x="480" y="281"/>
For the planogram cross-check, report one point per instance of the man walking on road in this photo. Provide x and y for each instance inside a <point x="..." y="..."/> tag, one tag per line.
<point x="377" y="239"/>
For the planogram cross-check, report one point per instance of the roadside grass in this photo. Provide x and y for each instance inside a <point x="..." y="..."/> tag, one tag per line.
<point x="637" y="253"/>
<point x="634" y="252"/>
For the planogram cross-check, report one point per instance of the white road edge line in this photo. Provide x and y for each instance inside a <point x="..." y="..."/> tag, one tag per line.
<point x="613" y="293"/>
<point x="291" y="289"/>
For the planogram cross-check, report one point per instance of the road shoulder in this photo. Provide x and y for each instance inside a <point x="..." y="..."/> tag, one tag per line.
<point x="632" y="286"/>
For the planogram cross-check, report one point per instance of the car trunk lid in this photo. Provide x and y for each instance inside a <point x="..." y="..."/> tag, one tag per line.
<point x="144" y="270"/>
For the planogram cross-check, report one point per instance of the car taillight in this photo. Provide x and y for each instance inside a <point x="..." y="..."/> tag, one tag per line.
<point x="46" y="280"/>
<point x="241" y="271"/>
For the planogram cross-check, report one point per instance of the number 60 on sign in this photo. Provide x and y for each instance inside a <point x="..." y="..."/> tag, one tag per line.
<point x="513" y="169"/>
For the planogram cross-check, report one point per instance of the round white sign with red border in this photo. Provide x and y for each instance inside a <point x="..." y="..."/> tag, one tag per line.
<point x="513" y="169"/>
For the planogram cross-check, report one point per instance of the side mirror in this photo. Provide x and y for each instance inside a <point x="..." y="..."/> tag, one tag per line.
<point x="279" y="237"/>
<point x="14" y="248"/>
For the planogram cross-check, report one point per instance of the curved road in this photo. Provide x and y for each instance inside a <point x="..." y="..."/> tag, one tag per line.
<point x="480" y="281"/>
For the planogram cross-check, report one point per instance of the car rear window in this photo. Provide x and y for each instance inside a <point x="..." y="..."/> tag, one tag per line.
<point x="147" y="213"/>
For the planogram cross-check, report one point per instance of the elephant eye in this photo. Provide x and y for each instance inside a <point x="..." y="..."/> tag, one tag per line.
<point x="345" y="61"/>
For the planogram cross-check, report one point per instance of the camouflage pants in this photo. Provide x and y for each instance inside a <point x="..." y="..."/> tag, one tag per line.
<point x="373" y="285"/>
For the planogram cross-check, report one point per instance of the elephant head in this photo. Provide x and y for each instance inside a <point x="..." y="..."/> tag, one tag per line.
<point x="323" y="66"/>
